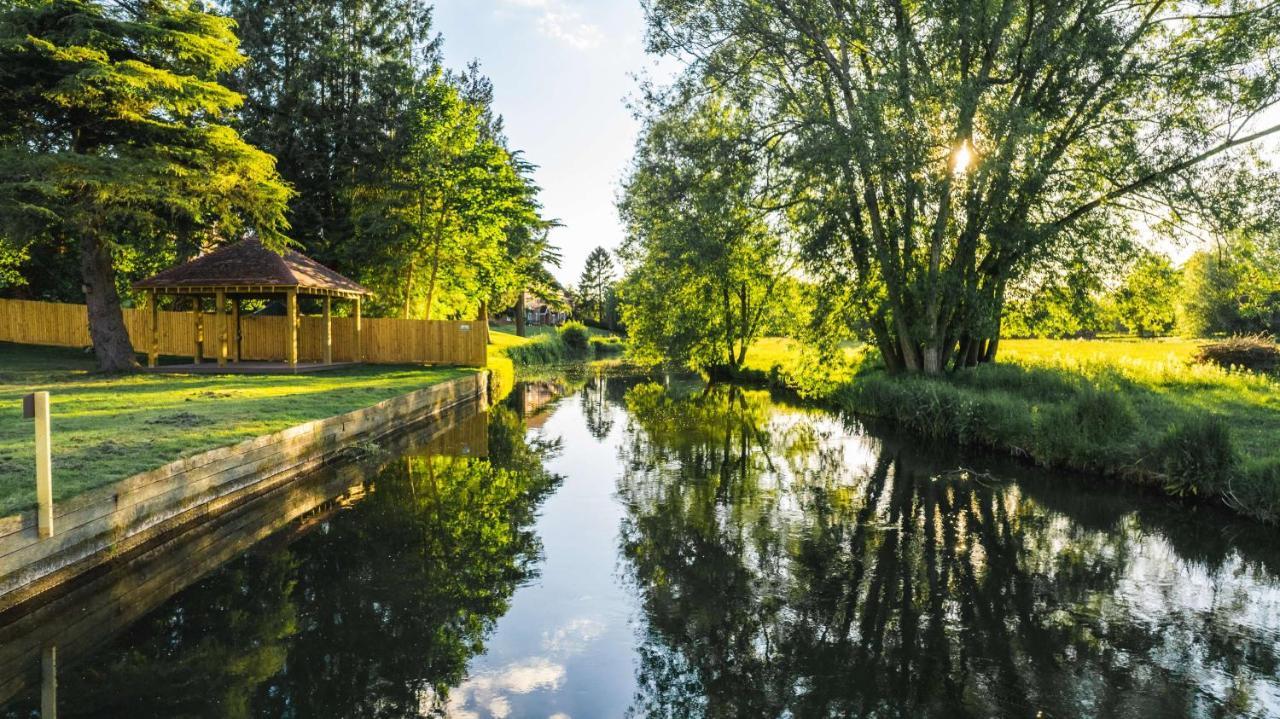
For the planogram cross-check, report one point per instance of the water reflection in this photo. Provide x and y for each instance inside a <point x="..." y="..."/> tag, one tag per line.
<point x="604" y="546"/>
<point x="373" y="612"/>
<point x="789" y="566"/>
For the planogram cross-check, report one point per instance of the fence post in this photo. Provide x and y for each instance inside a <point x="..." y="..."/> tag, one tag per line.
<point x="153" y="319"/>
<point x="328" y="330"/>
<point x="198" y="318"/>
<point x="359" y="347"/>
<point x="44" y="467"/>
<point x="291" y="336"/>
<point x="220" y="325"/>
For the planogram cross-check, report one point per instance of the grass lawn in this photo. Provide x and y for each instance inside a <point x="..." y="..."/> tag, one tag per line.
<point x="1136" y="409"/>
<point x="106" y="428"/>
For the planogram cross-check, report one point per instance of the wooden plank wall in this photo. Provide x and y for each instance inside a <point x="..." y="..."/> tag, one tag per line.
<point x="386" y="341"/>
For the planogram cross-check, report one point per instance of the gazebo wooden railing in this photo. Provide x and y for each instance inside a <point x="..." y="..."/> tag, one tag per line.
<point x="249" y="270"/>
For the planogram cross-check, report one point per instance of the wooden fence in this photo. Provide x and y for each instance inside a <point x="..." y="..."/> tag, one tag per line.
<point x="386" y="341"/>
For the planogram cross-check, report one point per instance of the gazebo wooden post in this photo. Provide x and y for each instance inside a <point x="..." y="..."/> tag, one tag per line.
<point x="153" y="322"/>
<point x="328" y="330"/>
<point x="197" y="315"/>
<point x="235" y="328"/>
<point x="220" y="324"/>
<point x="291" y="319"/>
<point x="359" y="353"/>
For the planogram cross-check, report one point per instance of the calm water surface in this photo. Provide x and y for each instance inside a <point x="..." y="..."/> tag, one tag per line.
<point x="608" y="547"/>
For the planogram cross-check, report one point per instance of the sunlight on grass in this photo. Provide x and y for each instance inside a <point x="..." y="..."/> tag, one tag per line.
<point x="106" y="428"/>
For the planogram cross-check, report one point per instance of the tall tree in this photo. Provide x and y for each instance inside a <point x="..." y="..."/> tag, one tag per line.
<point x="327" y="86"/>
<point x="703" y="253"/>
<point x="114" y="130"/>
<point x="943" y="149"/>
<point x="595" y="283"/>
<point x="438" y="221"/>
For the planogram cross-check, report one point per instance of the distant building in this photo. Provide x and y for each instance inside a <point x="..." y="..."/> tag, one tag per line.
<point x="538" y="311"/>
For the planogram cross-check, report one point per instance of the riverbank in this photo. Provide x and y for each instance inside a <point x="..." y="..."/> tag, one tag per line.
<point x="106" y="428"/>
<point x="1133" y="410"/>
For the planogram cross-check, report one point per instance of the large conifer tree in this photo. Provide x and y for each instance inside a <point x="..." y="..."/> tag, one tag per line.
<point x="113" y="125"/>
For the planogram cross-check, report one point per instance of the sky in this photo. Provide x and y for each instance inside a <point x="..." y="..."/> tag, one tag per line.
<point x="562" y="71"/>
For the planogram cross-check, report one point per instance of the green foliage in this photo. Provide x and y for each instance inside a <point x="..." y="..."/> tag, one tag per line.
<point x="115" y="139"/>
<point x="437" y="224"/>
<point x="575" y="337"/>
<point x="1198" y="456"/>
<point x="1145" y="304"/>
<point x="1130" y="412"/>
<point x="702" y="260"/>
<point x="111" y="427"/>
<point x="1235" y="290"/>
<point x="406" y="181"/>
<point x="607" y="346"/>
<point x="932" y="155"/>
<point x="595" y="287"/>
<point x="542" y="349"/>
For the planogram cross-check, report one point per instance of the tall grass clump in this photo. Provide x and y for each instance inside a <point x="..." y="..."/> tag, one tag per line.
<point x="1091" y="430"/>
<point x="1198" y="457"/>
<point x="607" y="346"/>
<point x="575" y="337"/>
<point x="542" y="349"/>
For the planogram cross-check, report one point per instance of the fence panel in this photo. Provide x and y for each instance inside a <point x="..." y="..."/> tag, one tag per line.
<point x="385" y="341"/>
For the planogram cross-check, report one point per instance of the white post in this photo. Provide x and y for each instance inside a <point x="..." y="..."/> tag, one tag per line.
<point x="44" y="467"/>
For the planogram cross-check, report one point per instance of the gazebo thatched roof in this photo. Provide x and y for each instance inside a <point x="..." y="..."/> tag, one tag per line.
<point x="248" y="267"/>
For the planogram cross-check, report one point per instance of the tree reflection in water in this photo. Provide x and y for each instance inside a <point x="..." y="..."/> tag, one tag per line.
<point x="374" y="612"/>
<point x="790" y="567"/>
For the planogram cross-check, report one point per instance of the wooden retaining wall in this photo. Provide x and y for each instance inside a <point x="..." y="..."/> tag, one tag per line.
<point x="385" y="341"/>
<point x="93" y="527"/>
<point x="100" y="607"/>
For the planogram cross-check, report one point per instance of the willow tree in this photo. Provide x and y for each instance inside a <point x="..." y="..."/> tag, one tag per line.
<point x="943" y="148"/>
<point x="704" y="252"/>
<point x="112" y="115"/>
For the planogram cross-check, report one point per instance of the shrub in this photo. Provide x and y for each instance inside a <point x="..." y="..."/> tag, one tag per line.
<point x="1257" y="353"/>
<point x="1198" y="457"/>
<point x="606" y="346"/>
<point x="543" y="349"/>
<point x="1091" y="431"/>
<point x="575" y="337"/>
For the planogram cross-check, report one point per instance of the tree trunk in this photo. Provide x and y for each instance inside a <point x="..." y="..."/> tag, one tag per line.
<point x="520" y="315"/>
<point x="408" y="289"/>
<point x="435" y="273"/>
<point x="110" y="337"/>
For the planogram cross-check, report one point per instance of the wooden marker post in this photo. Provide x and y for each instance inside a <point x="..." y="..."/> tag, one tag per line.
<point x="49" y="683"/>
<point x="36" y="406"/>
<point x="328" y="330"/>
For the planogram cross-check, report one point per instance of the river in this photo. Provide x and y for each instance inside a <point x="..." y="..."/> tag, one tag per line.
<point x="605" y="546"/>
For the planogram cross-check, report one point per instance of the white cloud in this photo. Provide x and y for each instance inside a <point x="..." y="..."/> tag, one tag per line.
<point x="561" y="22"/>
<point x="491" y="690"/>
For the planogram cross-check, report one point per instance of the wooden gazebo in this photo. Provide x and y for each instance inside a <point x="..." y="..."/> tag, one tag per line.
<point x="248" y="270"/>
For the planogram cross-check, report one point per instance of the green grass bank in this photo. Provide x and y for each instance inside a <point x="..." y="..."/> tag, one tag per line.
<point x="1134" y="410"/>
<point x="106" y="427"/>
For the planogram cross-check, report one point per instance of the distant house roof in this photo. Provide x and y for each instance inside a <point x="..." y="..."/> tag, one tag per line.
<point x="249" y="266"/>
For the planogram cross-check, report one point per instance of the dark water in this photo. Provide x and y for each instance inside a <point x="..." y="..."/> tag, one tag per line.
<point x="635" y="549"/>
